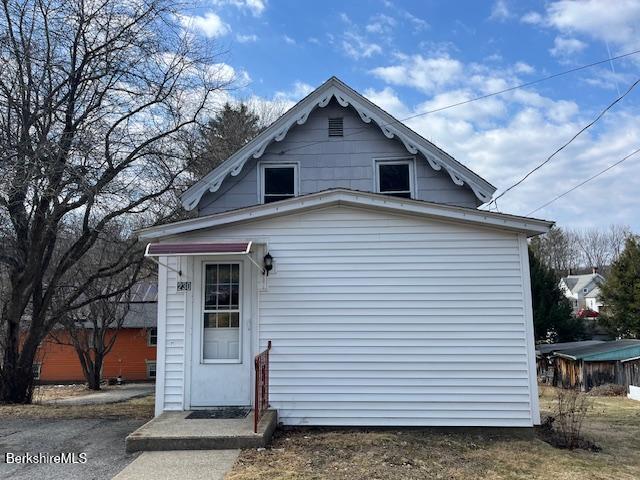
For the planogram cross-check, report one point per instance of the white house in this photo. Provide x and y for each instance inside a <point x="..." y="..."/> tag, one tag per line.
<point x="392" y="299"/>
<point x="583" y="290"/>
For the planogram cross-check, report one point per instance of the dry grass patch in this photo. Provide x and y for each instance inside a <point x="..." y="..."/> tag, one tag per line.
<point x="141" y="408"/>
<point x="43" y="393"/>
<point x="613" y="423"/>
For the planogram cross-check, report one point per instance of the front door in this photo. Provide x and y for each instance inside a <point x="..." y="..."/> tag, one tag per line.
<point x="221" y="334"/>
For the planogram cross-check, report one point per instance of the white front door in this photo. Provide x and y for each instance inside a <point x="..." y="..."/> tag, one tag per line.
<point x="221" y="333"/>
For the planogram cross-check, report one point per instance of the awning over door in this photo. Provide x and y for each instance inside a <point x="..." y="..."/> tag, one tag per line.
<point x="179" y="249"/>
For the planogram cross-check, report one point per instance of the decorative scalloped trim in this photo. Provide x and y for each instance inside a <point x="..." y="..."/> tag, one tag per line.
<point x="365" y="115"/>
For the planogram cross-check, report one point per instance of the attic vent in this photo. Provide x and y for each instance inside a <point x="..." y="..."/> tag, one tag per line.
<point x="336" y="127"/>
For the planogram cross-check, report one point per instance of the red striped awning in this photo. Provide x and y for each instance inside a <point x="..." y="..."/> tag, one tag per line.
<point x="173" y="249"/>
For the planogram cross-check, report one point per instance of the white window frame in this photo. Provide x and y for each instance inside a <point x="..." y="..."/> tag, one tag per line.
<point x="149" y="363"/>
<point x="203" y="311"/>
<point x="410" y="161"/>
<point x="149" y="344"/>
<point x="271" y="164"/>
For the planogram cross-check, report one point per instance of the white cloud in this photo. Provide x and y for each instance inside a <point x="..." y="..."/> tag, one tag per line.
<point x="608" y="80"/>
<point x="425" y="74"/>
<point x="388" y="100"/>
<point x="500" y="11"/>
<point x="256" y="7"/>
<point x="288" y="40"/>
<point x="345" y="18"/>
<point x="523" y="67"/>
<point x="209" y="24"/>
<point x="617" y="23"/>
<point x="246" y="38"/>
<point x="298" y="91"/>
<point x="504" y="136"/>
<point x="564" y="47"/>
<point x="418" y="24"/>
<point x="381" y="24"/>
<point x="356" y="46"/>
<point x="532" y="18"/>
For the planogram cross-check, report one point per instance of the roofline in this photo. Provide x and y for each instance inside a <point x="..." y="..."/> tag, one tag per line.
<point x="564" y="355"/>
<point x="586" y="358"/>
<point x="630" y="359"/>
<point x="341" y="196"/>
<point x="368" y="111"/>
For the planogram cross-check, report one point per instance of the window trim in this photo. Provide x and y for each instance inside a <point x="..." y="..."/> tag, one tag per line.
<point x="273" y="164"/>
<point x="203" y="311"/>
<point x="410" y="161"/>
<point x="149" y="344"/>
<point x="149" y="363"/>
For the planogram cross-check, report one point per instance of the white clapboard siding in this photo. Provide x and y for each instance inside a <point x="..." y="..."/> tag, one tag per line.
<point x="174" y="343"/>
<point x="383" y="319"/>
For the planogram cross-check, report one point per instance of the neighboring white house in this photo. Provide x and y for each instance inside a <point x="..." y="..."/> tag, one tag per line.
<point x="583" y="290"/>
<point x="392" y="299"/>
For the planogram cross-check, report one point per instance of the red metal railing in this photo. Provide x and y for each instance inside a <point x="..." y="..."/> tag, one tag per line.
<point x="261" y="403"/>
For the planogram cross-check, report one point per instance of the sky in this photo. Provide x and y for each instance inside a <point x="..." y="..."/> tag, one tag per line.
<point x="413" y="56"/>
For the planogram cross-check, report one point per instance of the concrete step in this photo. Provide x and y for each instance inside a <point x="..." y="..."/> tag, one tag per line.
<point x="173" y="431"/>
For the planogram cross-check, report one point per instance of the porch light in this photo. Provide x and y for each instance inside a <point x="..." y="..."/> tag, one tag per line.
<point x="268" y="263"/>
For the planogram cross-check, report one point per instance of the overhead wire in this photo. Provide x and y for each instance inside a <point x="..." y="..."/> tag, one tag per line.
<point x="474" y="99"/>
<point x="592" y="177"/>
<point x="567" y="143"/>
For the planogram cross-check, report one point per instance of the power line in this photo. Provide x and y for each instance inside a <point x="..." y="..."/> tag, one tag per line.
<point x="475" y="99"/>
<point x="585" y="181"/>
<point x="566" y="144"/>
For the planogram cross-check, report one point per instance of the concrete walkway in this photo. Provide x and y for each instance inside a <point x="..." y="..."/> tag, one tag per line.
<point x="191" y="464"/>
<point x="112" y="395"/>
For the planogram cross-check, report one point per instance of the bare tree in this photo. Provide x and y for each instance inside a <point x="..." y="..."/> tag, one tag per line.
<point x="93" y="329"/>
<point x="95" y="98"/>
<point x="601" y="247"/>
<point x="557" y="251"/>
<point x="594" y="245"/>
<point x="567" y="250"/>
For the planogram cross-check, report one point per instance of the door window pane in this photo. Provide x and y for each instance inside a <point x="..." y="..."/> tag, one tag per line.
<point x="221" y="315"/>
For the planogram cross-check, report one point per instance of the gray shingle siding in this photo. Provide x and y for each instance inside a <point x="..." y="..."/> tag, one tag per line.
<point x="346" y="162"/>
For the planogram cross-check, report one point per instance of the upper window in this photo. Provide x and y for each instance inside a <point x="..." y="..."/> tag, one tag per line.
<point x="336" y="127"/>
<point x="395" y="178"/>
<point x="279" y="182"/>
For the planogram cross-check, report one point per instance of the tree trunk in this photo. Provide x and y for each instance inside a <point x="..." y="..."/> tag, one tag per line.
<point x="16" y="373"/>
<point x="95" y="377"/>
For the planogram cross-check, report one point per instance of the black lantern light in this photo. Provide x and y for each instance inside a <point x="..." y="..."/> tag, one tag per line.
<point x="268" y="263"/>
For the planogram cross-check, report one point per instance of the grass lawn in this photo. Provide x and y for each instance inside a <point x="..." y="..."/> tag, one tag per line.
<point x="141" y="408"/>
<point x="613" y="424"/>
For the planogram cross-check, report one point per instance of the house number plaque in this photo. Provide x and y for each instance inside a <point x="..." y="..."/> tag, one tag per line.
<point x="184" y="286"/>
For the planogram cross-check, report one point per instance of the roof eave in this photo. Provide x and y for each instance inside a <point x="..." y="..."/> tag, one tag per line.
<point x="524" y="225"/>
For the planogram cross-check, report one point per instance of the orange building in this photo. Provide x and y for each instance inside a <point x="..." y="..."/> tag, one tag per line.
<point x="133" y="356"/>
